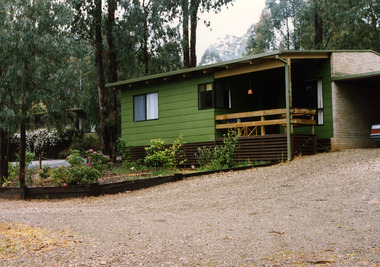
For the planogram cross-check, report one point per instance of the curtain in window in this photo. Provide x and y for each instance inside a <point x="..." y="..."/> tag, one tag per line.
<point x="152" y="106"/>
<point x="139" y="107"/>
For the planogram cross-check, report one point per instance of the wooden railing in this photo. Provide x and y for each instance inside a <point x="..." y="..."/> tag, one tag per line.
<point x="247" y="123"/>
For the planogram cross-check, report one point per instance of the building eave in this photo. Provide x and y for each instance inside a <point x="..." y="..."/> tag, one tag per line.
<point x="231" y="64"/>
<point x="348" y="77"/>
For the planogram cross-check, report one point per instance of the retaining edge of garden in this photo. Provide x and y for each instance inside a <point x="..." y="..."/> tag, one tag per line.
<point x="75" y="191"/>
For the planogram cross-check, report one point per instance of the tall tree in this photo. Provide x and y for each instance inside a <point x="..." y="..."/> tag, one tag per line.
<point x="35" y="64"/>
<point x="112" y="77"/>
<point x="189" y="11"/>
<point x="148" y="43"/>
<point x="340" y="24"/>
<point x="285" y="20"/>
<point x="88" y="26"/>
<point x="261" y="36"/>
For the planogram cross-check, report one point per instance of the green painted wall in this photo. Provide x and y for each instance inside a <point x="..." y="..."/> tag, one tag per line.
<point x="177" y="111"/>
<point x="317" y="69"/>
<point x="178" y="104"/>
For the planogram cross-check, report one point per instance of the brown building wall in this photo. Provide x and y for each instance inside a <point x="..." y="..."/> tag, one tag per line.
<point x="355" y="104"/>
<point x="354" y="62"/>
<point x="355" y="109"/>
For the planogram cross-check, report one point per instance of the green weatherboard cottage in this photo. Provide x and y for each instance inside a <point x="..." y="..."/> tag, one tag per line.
<point x="333" y="96"/>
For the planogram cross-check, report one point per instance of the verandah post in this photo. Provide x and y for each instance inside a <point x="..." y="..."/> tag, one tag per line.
<point x="287" y="100"/>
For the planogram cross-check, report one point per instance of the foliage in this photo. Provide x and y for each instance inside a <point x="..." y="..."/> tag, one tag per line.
<point x="98" y="161"/>
<point x="78" y="175"/>
<point x="317" y="24"/>
<point x="13" y="170"/>
<point x="225" y="155"/>
<point x="46" y="172"/>
<point x="204" y="156"/>
<point x="158" y="156"/>
<point x="35" y="65"/>
<point x="89" y="141"/>
<point x="43" y="141"/>
<point x="222" y="156"/>
<point x="75" y="159"/>
<point x="123" y="149"/>
<point x="135" y="166"/>
<point x="261" y="36"/>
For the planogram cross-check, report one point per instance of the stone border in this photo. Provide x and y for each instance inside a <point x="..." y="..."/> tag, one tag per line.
<point x="25" y="193"/>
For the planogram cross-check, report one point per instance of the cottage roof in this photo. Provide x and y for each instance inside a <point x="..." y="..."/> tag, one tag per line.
<point x="237" y="66"/>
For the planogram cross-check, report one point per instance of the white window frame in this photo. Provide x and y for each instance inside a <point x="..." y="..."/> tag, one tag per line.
<point x="150" y="108"/>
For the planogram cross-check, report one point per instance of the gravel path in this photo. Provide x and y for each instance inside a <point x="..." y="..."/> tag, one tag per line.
<point x="322" y="209"/>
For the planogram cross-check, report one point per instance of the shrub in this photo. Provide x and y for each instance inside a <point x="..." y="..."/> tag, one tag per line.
<point x="75" y="159"/>
<point x="44" y="141"/>
<point x="46" y="172"/>
<point x="83" y="175"/>
<point x="78" y="175"/>
<point x="98" y="161"/>
<point x="205" y="156"/>
<point x="158" y="156"/>
<point x="225" y="155"/>
<point x="89" y="141"/>
<point x="222" y="156"/>
<point x="135" y="166"/>
<point x="60" y="175"/>
<point x="123" y="149"/>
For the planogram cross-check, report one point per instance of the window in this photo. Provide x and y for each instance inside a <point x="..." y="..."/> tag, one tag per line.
<point x="308" y="94"/>
<point x="145" y="107"/>
<point x="216" y="95"/>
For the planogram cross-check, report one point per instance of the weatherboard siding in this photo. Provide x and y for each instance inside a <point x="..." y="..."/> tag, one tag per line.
<point x="177" y="111"/>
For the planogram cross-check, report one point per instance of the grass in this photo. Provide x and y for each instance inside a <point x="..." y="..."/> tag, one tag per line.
<point x="17" y="239"/>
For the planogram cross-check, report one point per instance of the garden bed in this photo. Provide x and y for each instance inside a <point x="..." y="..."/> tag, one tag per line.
<point x="108" y="184"/>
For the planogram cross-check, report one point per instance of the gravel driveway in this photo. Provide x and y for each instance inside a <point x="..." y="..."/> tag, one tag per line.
<point x="321" y="209"/>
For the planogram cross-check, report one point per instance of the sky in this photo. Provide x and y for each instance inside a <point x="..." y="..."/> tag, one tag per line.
<point x="234" y="20"/>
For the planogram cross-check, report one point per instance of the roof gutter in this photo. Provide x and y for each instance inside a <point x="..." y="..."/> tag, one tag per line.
<point x="287" y="100"/>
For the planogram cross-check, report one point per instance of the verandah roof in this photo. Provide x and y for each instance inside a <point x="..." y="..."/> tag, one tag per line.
<point x="229" y="68"/>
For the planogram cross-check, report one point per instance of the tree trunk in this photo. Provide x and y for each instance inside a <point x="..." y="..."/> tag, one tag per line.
<point x="112" y="77"/>
<point x="318" y="38"/>
<point x="145" y="40"/>
<point x="22" y="152"/>
<point x="193" y="22"/>
<point x="185" y="30"/>
<point x="102" y="95"/>
<point x="3" y="156"/>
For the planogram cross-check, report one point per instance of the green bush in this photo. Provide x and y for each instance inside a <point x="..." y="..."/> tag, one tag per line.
<point x="75" y="159"/>
<point x="98" y="161"/>
<point x="204" y="156"/>
<point x="158" y="156"/>
<point x="123" y="149"/>
<point x="46" y="172"/>
<point x="225" y="155"/>
<point x="135" y="166"/>
<point x="221" y="157"/>
<point x="89" y="141"/>
<point x="78" y="175"/>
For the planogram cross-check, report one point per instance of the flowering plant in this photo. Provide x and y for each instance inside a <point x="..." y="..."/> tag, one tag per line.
<point x="97" y="160"/>
<point x="75" y="159"/>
